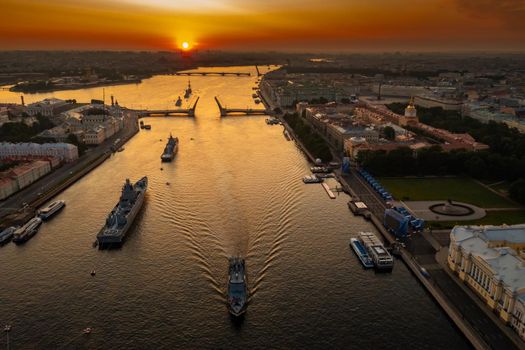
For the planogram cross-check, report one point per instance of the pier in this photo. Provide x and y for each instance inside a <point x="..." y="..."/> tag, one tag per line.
<point x="247" y="111"/>
<point x="188" y="112"/>
<point x="204" y="74"/>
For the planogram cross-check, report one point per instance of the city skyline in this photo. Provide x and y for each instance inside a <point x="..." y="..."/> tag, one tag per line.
<point x="404" y="25"/>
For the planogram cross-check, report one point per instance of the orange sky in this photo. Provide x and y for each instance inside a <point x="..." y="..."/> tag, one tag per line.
<point x="338" y="25"/>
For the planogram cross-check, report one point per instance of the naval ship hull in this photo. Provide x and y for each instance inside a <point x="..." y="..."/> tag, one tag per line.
<point x="115" y="240"/>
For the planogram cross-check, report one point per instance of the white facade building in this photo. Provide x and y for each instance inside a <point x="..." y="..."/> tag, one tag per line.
<point x="64" y="151"/>
<point x="490" y="260"/>
<point x="46" y="107"/>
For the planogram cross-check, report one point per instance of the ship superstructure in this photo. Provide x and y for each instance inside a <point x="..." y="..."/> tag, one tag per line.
<point x="237" y="286"/>
<point x="170" y="150"/>
<point x="121" y="217"/>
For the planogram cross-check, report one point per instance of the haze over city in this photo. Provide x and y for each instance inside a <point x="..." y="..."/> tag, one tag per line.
<point x="289" y="25"/>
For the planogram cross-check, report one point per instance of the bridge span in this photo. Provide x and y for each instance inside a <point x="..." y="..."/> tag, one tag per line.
<point x="189" y="112"/>
<point x="247" y="111"/>
<point x="224" y="74"/>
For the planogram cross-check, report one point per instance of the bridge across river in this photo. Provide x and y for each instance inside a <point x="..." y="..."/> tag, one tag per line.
<point x="188" y="112"/>
<point x="248" y="111"/>
<point x="237" y="74"/>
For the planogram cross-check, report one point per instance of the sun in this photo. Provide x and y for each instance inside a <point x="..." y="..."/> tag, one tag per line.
<point x="185" y="45"/>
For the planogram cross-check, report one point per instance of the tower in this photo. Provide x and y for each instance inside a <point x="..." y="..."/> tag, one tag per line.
<point x="410" y="117"/>
<point x="410" y="110"/>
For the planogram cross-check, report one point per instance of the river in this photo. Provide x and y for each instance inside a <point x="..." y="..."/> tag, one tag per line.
<point x="234" y="188"/>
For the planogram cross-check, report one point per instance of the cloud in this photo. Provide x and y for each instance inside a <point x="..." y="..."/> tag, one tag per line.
<point x="511" y="13"/>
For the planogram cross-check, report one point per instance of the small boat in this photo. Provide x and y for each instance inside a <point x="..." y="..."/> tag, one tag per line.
<point x="167" y="183"/>
<point x="120" y="149"/>
<point x="257" y="101"/>
<point x="312" y="179"/>
<point x="361" y="253"/>
<point x="7" y="328"/>
<point x="87" y="330"/>
<point x="7" y="234"/>
<point x="178" y="103"/>
<point x="93" y="272"/>
<point x="254" y="95"/>
<point x="47" y="212"/>
<point x="272" y="121"/>
<point x="319" y="169"/>
<point x="147" y="126"/>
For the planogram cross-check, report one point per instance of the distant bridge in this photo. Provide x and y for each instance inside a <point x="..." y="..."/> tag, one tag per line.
<point x="238" y="74"/>
<point x="189" y="112"/>
<point x="248" y="111"/>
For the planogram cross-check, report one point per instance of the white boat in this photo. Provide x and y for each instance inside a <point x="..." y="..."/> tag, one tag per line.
<point x="312" y="179"/>
<point x="361" y="253"/>
<point x="382" y="259"/>
<point x="47" y="212"/>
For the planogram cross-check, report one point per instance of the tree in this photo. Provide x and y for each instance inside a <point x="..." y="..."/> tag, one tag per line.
<point x="517" y="191"/>
<point x="73" y="139"/>
<point x="389" y="132"/>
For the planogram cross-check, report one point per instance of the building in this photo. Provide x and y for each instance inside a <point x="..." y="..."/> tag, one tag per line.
<point x="94" y="136"/>
<point x="490" y="260"/>
<point x="8" y="186"/>
<point x="96" y="123"/>
<point x="47" y="107"/>
<point x="436" y="101"/>
<point x="22" y="176"/>
<point x="410" y="118"/>
<point x="64" y="151"/>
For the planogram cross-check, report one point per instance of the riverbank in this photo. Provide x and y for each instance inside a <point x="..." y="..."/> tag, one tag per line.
<point x="38" y="193"/>
<point x="412" y="259"/>
<point x="28" y="90"/>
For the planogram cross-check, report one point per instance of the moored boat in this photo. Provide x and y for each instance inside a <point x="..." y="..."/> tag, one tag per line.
<point x="7" y="234"/>
<point x="237" y="287"/>
<point x="312" y="179"/>
<point x="26" y="232"/>
<point x="47" y="212"/>
<point x="382" y="259"/>
<point x="361" y="253"/>
<point x="319" y="169"/>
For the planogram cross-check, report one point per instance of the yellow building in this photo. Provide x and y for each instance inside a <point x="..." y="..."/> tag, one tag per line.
<point x="490" y="260"/>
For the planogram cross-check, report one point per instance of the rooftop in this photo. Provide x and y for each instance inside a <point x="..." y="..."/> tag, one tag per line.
<point x="504" y="261"/>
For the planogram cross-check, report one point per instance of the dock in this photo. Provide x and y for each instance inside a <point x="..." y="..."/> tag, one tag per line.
<point x="328" y="190"/>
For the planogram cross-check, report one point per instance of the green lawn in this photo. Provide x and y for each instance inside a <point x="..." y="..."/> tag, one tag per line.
<point x="458" y="189"/>
<point x="501" y="187"/>
<point x="509" y="217"/>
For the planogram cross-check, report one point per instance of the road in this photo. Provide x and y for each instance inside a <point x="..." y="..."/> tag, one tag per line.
<point x="41" y="188"/>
